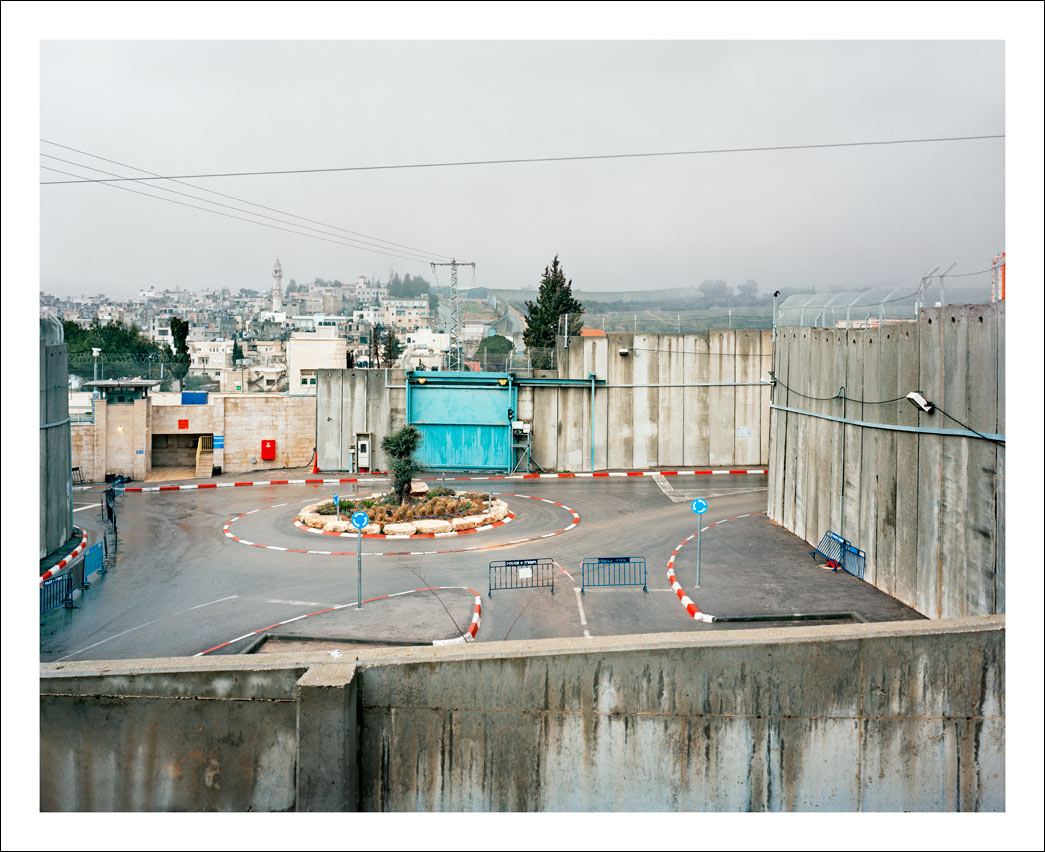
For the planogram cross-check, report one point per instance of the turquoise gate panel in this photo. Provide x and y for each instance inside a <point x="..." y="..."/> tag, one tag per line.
<point x="463" y="419"/>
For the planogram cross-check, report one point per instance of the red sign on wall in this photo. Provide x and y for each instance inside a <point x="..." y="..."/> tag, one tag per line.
<point x="183" y="424"/>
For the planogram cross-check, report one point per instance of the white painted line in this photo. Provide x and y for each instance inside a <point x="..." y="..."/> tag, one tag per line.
<point x="298" y="603"/>
<point x="146" y="624"/>
<point x="88" y="506"/>
<point x="580" y="609"/>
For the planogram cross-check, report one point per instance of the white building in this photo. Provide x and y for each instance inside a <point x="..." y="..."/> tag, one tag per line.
<point x="308" y="352"/>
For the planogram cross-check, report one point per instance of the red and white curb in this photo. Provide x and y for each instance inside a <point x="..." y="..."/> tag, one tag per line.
<point x="508" y="519"/>
<point x="467" y="636"/>
<point x="597" y="475"/>
<point x="680" y="593"/>
<point x="227" y="532"/>
<point x="67" y="561"/>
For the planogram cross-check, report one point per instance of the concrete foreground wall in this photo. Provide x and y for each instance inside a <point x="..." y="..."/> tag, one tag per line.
<point x="672" y="401"/>
<point x="872" y="717"/>
<point x="928" y="510"/>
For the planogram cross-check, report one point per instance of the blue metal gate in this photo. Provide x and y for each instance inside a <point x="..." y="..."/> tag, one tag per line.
<point x="464" y="419"/>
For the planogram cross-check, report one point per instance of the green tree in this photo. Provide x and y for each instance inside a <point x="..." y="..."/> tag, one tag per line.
<point x="237" y="352"/>
<point x="180" y="336"/>
<point x="392" y="347"/>
<point x="554" y="298"/>
<point x="400" y="447"/>
<point x="493" y="351"/>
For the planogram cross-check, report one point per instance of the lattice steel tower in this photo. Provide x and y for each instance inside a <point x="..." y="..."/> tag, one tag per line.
<point x="453" y="357"/>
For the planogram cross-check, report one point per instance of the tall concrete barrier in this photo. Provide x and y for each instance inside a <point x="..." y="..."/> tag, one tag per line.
<point x="904" y="716"/>
<point x="663" y="400"/>
<point x="927" y="507"/>
<point x="55" y="453"/>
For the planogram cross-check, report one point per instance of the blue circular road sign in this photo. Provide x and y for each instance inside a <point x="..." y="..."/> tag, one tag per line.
<point x="699" y="506"/>
<point x="360" y="520"/>
<point x="336" y="499"/>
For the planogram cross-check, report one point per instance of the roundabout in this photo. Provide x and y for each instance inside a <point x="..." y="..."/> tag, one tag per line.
<point x="245" y="532"/>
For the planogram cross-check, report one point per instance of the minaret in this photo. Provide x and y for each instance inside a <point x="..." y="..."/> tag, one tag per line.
<point x="277" y="287"/>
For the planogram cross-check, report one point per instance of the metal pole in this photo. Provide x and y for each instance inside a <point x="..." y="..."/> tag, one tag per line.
<point x="359" y="570"/>
<point x="698" y="549"/>
<point x="591" y="423"/>
<point x="841" y="498"/>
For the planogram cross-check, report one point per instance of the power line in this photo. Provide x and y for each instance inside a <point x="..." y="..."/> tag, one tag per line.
<point x="519" y="160"/>
<point x="234" y="198"/>
<point x="420" y="259"/>
<point x="240" y="218"/>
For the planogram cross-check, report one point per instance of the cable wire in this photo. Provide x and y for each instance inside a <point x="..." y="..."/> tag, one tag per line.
<point x="240" y="218"/>
<point x="235" y="198"/>
<point x="518" y="160"/>
<point x="969" y="428"/>
<point x="420" y="259"/>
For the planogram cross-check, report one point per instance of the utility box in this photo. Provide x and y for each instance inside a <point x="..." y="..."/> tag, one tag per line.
<point x="364" y="441"/>
<point x="268" y="450"/>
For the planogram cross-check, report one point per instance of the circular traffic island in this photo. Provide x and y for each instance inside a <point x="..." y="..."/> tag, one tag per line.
<point x="426" y="512"/>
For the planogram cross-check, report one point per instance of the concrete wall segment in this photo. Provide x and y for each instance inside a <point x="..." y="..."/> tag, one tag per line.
<point x="890" y="716"/>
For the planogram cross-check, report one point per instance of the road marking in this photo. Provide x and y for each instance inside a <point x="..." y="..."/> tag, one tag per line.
<point x="88" y="506"/>
<point x="685" y="495"/>
<point x="300" y="603"/>
<point x="580" y="609"/>
<point x="146" y="624"/>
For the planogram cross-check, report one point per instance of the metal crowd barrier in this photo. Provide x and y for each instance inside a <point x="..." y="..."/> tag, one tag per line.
<point x="614" y="571"/>
<point x="841" y="553"/>
<point x="58" y="590"/>
<point x="522" y="574"/>
<point x="55" y="592"/>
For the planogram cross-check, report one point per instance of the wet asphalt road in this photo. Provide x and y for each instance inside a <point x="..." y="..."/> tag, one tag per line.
<point x="181" y="586"/>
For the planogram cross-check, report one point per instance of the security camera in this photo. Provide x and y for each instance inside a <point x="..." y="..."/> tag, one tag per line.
<point x="624" y="353"/>
<point x="95" y="351"/>
<point x="920" y="402"/>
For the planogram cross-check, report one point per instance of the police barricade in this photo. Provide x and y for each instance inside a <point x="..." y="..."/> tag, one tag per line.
<point x="614" y="571"/>
<point x="55" y="592"/>
<point x="94" y="560"/>
<point x="522" y="574"/>
<point x="840" y="553"/>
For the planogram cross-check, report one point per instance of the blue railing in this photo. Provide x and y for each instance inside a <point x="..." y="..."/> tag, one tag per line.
<point x="58" y="590"/>
<point x="840" y="553"/>
<point x="55" y="592"/>
<point x="522" y="574"/>
<point x="614" y="571"/>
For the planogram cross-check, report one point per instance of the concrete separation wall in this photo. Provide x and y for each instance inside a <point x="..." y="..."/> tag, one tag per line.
<point x="55" y="449"/>
<point x="670" y="401"/>
<point x="928" y="510"/>
<point x="903" y="716"/>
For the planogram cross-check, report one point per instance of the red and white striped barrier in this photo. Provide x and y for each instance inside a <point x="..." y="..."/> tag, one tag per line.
<point x="467" y="636"/>
<point x="680" y="593"/>
<point x="67" y="561"/>
<point x="761" y="471"/>
<point x="227" y="532"/>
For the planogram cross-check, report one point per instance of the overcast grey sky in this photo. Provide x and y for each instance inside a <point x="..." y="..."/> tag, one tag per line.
<point x="843" y="217"/>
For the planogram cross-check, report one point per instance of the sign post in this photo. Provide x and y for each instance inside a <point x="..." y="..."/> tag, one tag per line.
<point x="700" y="506"/>
<point x="337" y="506"/>
<point x="360" y="520"/>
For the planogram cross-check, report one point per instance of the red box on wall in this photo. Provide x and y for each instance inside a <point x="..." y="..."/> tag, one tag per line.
<point x="268" y="450"/>
<point x="183" y="424"/>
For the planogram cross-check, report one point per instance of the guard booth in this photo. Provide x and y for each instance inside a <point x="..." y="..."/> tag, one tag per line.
<point x="465" y="419"/>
